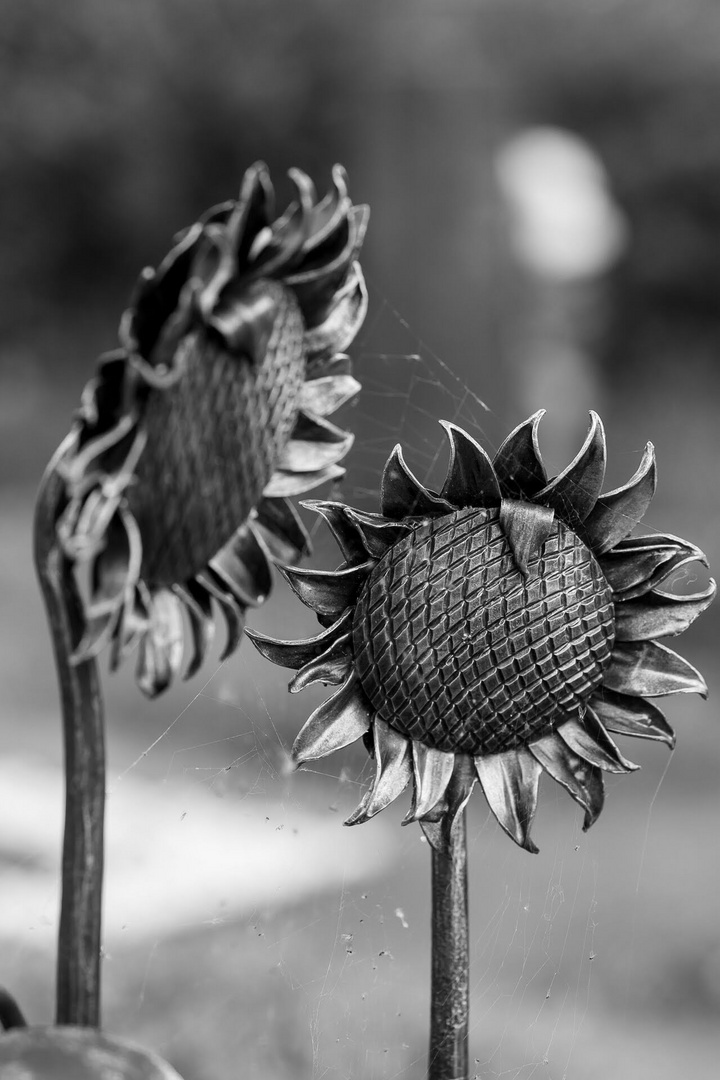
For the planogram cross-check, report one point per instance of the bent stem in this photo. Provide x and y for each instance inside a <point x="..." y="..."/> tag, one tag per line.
<point x="450" y="985"/>
<point x="78" y="963"/>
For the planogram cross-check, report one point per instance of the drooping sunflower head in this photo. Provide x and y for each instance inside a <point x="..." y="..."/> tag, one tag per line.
<point x="501" y="628"/>
<point x="192" y="437"/>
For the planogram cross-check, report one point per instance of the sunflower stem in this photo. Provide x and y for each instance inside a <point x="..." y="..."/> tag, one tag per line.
<point x="450" y="980"/>
<point x="78" y="964"/>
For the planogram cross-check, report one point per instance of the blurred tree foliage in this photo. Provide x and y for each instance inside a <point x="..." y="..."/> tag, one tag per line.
<point x="121" y="121"/>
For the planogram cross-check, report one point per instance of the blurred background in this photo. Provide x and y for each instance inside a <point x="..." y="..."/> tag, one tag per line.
<point x="544" y="179"/>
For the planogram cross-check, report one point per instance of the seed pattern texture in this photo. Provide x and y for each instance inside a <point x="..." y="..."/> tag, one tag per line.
<point x="213" y="441"/>
<point x="456" y="649"/>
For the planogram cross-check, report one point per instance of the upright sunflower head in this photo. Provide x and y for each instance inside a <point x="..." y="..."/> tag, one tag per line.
<point x="193" y="435"/>
<point x="494" y="630"/>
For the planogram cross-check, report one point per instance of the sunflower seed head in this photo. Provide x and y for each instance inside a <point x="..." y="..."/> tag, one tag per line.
<point x="458" y="649"/>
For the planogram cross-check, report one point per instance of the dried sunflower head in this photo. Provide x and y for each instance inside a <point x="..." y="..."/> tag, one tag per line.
<point x="494" y="630"/>
<point x="192" y="436"/>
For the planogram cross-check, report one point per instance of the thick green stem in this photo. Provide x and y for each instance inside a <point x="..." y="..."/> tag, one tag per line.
<point x="450" y="988"/>
<point x="78" y="967"/>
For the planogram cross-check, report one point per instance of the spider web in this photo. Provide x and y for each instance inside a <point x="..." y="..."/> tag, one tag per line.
<point x="244" y="924"/>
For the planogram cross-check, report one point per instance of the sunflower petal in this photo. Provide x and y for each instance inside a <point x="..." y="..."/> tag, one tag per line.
<point x="243" y="567"/>
<point x="281" y="529"/>
<point x="322" y="367"/>
<point x="331" y="668"/>
<point x="625" y="715"/>
<point x="438" y="831"/>
<point x="344" y="531"/>
<point x="295" y="654"/>
<point x="322" y="274"/>
<point x="471" y="479"/>
<point x="131" y="625"/>
<point x="233" y="612"/>
<point x="161" y="647"/>
<point x="617" y="512"/>
<point x="518" y="464"/>
<point x="244" y="317"/>
<point x="526" y="527"/>
<point x="97" y="634"/>
<point x="510" y="782"/>
<point x="330" y="212"/>
<point x="377" y="534"/>
<point x="283" y="485"/>
<point x="591" y="741"/>
<point x="659" y="614"/>
<point x="339" y="721"/>
<point x="432" y="770"/>
<point x="649" y="669"/>
<point x="573" y="493"/>
<point x="328" y="592"/>
<point x="639" y="563"/>
<point x="402" y="495"/>
<point x="314" y="445"/>
<point x="393" y="772"/>
<point x="327" y="394"/>
<point x="582" y="780"/>
<point x="342" y="322"/>
<point x="202" y="626"/>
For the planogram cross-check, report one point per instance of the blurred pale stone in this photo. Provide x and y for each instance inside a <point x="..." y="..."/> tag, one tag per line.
<point x="176" y="854"/>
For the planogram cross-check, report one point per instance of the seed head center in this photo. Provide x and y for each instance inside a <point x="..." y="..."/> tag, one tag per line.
<point x="456" y="649"/>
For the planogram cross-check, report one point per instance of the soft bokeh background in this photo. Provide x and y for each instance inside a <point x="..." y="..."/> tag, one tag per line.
<point x="248" y="934"/>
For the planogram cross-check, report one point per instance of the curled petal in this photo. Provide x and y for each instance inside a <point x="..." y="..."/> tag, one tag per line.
<point x="233" y="612"/>
<point x="526" y="527"/>
<point x="640" y="563"/>
<point x="591" y="741"/>
<point x="649" y="669"/>
<point x="98" y="633"/>
<point x="319" y="281"/>
<point x="202" y="626"/>
<point x="432" y="770"/>
<point x="393" y="772"/>
<point x="573" y="494"/>
<point x="617" y="512"/>
<point x="471" y="479"/>
<point x="659" y="614"/>
<point x="280" y="527"/>
<point x="627" y="715"/>
<point x="161" y="647"/>
<point x="314" y="444"/>
<point x="244" y="316"/>
<point x="328" y="592"/>
<point x="328" y="215"/>
<point x="283" y="485"/>
<point x="342" y="528"/>
<point x="253" y="211"/>
<point x="131" y="625"/>
<point x="321" y="368"/>
<point x="343" y="320"/>
<point x="296" y="654"/>
<point x="518" y="464"/>
<point x="339" y="721"/>
<point x="331" y="668"/>
<point x="402" y="495"/>
<point x="377" y="534"/>
<point x="115" y="572"/>
<point x="582" y="780"/>
<point x="243" y="567"/>
<point x="326" y="394"/>
<point x="510" y="782"/>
